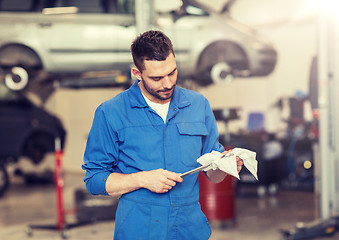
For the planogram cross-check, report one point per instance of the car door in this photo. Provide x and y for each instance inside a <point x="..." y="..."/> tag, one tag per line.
<point x="80" y="35"/>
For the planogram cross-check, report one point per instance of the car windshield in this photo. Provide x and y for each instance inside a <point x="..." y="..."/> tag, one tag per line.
<point x="93" y="6"/>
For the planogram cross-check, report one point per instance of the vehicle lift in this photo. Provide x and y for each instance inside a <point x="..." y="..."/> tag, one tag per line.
<point x="328" y="91"/>
<point x="61" y="224"/>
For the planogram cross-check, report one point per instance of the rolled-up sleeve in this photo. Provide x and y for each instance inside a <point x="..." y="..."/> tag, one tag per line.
<point x="101" y="154"/>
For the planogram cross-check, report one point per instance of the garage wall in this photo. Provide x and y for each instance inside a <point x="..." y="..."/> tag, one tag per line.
<point x="292" y="31"/>
<point x="76" y="110"/>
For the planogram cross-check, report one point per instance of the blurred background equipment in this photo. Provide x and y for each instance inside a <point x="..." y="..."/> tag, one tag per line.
<point x="298" y="141"/>
<point x="270" y="156"/>
<point x="91" y="209"/>
<point x="218" y="200"/>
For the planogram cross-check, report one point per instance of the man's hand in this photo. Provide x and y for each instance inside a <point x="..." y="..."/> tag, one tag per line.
<point x="239" y="163"/>
<point x="216" y="176"/>
<point x="160" y="180"/>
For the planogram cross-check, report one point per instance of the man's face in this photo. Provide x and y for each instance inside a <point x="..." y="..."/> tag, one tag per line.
<point x="158" y="79"/>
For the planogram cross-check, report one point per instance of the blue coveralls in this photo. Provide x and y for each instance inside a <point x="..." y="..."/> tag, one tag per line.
<point x="127" y="136"/>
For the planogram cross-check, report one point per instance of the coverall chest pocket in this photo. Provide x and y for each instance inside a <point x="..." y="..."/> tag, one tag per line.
<point x="191" y="142"/>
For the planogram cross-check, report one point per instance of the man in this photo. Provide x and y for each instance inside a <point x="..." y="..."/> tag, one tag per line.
<point x="140" y="142"/>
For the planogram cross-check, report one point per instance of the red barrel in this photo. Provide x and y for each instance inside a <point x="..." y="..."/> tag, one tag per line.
<point x="217" y="200"/>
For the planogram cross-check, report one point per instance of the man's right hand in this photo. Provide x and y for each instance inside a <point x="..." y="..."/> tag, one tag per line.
<point x="159" y="180"/>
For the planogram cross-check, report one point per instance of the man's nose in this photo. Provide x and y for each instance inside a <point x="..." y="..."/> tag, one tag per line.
<point x="166" y="82"/>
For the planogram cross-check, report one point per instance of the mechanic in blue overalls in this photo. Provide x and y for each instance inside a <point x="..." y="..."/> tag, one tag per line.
<point x="140" y="142"/>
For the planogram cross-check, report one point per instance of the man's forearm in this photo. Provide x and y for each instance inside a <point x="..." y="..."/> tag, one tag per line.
<point x="118" y="183"/>
<point x="158" y="181"/>
<point x="216" y="176"/>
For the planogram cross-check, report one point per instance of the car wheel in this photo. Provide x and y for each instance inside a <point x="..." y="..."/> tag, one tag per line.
<point x="215" y="73"/>
<point x="4" y="180"/>
<point x="16" y="78"/>
<point x="20" y="65"/>
<point x="219" y="63"/>
<point x="221" y="73"/>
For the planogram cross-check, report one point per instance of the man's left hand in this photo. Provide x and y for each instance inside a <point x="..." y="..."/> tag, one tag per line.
<point x="240" y="162"/>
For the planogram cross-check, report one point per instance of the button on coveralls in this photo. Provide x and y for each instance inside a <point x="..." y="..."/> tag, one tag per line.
<point x="127" y="136"/>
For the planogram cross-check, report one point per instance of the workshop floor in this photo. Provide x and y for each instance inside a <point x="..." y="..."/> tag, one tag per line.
<point x="256" y="218"/>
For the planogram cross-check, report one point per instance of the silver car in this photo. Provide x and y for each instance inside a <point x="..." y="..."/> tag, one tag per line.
<point x="72" y="37"/>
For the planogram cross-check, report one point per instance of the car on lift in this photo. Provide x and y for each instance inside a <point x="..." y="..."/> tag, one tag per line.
<point x="26" y="131"/>
<point x="64" y="38"/>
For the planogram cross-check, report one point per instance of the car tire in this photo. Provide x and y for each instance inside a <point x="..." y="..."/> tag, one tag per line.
<point x="16" y="78"/>
<point x="4" y="180"/>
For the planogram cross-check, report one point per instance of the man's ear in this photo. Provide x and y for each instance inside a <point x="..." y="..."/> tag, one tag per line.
<point x="136" y="73"/>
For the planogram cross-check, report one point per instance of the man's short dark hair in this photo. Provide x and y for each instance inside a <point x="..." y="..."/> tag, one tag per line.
<point x="151" y="45"/>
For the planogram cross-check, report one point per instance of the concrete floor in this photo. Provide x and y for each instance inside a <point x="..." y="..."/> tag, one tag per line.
<point x="256" y="218"/>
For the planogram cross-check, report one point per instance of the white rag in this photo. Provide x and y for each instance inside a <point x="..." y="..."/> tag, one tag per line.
<point x="228" y="164"/>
